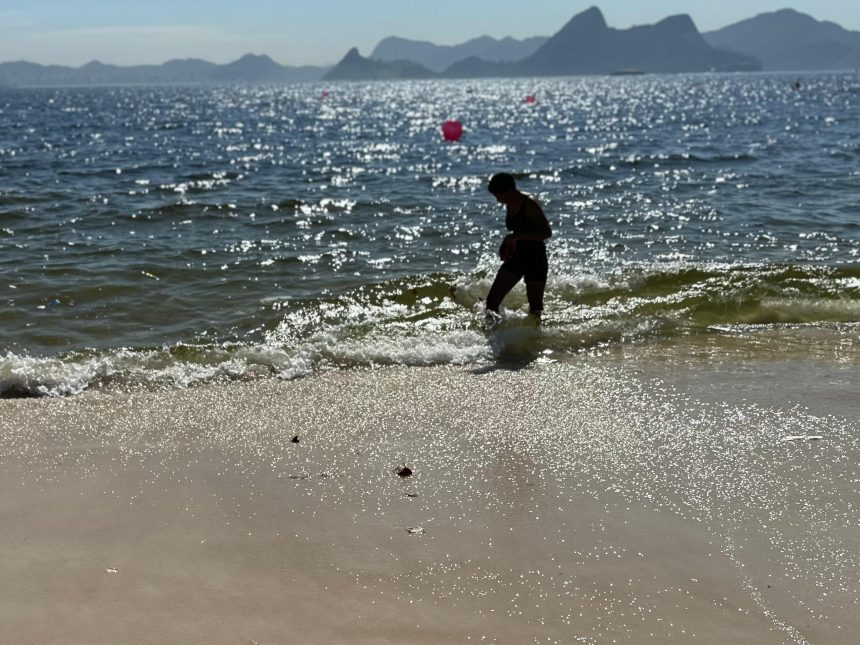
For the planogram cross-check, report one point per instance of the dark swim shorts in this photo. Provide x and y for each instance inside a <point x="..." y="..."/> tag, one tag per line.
<point x="529" y="261"/>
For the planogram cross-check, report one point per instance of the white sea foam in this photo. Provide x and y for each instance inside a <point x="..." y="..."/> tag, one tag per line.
<point x="45" y="376"/>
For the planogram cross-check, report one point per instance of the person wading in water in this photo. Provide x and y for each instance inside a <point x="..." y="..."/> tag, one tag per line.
<point x="523" y="252"/>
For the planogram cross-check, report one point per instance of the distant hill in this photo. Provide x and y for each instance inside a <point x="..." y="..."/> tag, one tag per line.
<point x="474" y="67"/>
<point x="789" y="40"/>
<point x="354" y="67"/>
<point x="587" y="45"/>
<point x="782" y="40"/>
<point x="264" y="69"/>
<point x="248" y="69"/>
<point x="439" y="57"/>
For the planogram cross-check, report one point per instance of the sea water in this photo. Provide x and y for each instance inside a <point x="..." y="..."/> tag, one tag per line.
<point x="171" y="236"/>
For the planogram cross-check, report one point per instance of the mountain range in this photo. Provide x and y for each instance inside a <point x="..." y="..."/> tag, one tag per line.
<point x="789" y="40"/>
<point x="587" y="45"/>
<point x="439" y="57"/>
<point x="781" y="40"/>
<point x="355" y="67"/>
<point x="249" y="68"/>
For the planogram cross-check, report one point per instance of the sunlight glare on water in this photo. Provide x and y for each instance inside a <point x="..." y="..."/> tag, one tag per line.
<point x="274" y="230"/>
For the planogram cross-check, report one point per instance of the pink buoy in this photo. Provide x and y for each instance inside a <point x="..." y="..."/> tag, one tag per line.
<point x="531" y="98"/>
<point x="452" y="130"/>
<point x="324" y="93"/>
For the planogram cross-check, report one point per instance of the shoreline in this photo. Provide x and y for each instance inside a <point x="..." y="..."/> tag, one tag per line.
<point x="597" y="500"/>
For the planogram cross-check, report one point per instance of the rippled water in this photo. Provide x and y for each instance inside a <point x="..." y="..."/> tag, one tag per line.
<point x="175" y="235"/>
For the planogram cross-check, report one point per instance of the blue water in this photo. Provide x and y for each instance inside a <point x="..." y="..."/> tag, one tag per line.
<point x="178" y="235"/>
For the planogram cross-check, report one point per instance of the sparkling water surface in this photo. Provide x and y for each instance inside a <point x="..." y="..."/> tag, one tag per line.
<point x="176" y="235"/>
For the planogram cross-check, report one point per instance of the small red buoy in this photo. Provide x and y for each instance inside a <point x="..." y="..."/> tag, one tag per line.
<point x="452" y="130"/>
<point x="324" y="93"/>
<point x="531" y="98"/>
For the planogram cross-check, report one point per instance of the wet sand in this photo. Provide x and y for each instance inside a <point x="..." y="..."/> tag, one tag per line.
<point x="600" y="500"/>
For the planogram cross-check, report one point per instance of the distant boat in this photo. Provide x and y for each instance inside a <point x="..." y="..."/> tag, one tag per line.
<point x="627" y="72"/>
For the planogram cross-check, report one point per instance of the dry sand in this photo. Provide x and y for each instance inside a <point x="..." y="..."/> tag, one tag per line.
<point x="580" y="502"/>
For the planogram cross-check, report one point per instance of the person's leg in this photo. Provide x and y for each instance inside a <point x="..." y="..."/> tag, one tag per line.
<point x="534" y="292"/>
<point x="504" y="282"/>
<point x="535" y="276"/>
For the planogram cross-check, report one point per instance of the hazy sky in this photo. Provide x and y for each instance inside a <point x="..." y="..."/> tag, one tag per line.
<point x="73" y="32"/>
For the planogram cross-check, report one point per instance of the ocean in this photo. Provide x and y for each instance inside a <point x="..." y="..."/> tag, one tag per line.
<point x="166" y="237"/>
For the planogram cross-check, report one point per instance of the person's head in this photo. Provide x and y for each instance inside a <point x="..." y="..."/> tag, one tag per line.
<point x="502" y="186"/>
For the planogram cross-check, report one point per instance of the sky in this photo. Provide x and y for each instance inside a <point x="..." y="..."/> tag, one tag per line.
<point x="320" y="32"/>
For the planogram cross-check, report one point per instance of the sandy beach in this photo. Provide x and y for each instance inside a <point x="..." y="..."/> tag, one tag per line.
<point x="598" y="500"/>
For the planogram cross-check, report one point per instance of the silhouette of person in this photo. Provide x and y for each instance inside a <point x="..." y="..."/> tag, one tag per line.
<point x="523" y="252"/>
